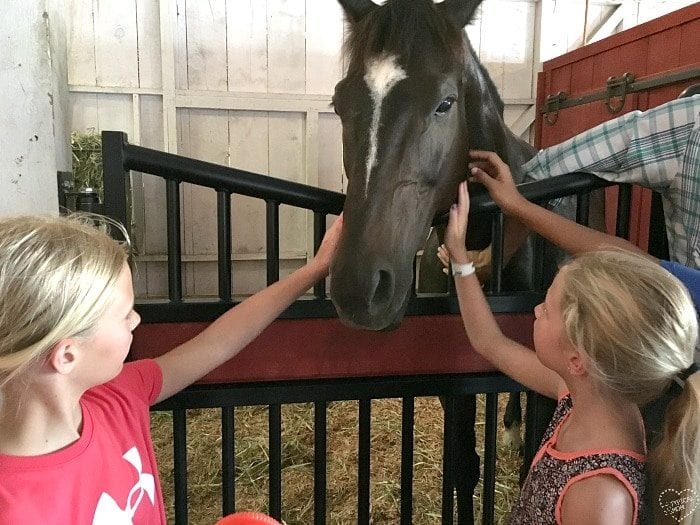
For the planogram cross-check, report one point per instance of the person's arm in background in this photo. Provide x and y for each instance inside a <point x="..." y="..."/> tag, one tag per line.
<point x="658" y="149"/>
<point x="640" y="147"/>
<point x="488" y="169"/>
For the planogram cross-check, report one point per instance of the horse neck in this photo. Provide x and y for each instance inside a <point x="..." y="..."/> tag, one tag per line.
<point x="484" y="117"/>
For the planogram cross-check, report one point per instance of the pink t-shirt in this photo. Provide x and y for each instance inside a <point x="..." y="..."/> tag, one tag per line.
<point x="108" y="476"/>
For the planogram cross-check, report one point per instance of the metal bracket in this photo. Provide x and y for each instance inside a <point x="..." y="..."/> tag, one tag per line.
<point x="617" y="88"/>
<point x="551" y="107"/>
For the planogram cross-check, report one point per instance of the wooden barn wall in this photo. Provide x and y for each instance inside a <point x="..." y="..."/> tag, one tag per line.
<point x="248" y="84"/>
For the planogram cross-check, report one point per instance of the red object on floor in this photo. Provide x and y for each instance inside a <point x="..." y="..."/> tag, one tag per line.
<point x="248" y="518"/>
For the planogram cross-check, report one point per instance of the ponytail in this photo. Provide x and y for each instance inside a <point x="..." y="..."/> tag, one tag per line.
<point x="675" y="462"/>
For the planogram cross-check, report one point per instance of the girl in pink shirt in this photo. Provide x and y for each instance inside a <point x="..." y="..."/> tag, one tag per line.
<point x="75" y="443"/>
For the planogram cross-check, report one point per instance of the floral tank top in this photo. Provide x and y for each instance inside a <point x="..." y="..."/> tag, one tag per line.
<point x="553" y="472"/>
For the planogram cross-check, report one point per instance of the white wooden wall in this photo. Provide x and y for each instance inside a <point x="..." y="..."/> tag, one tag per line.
<point x="247" y="83"/>
<point x="563" y="21"/>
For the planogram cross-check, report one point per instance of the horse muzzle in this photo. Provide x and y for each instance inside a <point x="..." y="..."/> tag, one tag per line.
<point x="373" y="299"/>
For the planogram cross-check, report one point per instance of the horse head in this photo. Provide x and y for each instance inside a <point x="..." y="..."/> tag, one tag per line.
<point x="414" y="100"/>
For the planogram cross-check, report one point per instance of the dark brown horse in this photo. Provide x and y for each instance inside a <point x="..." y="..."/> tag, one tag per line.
<point x="414" y="101"/>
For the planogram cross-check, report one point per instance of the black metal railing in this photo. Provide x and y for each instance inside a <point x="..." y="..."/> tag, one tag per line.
<point x="120" y="157"/>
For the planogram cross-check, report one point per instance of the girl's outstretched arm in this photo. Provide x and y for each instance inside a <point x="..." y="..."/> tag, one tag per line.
<point x="483" y="331"/>
<point x="231" y="332"/>
<point x="575" y="239"/>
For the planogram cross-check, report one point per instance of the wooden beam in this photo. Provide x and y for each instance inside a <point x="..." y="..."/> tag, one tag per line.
<point x="168" y="21"/>
<point x="524" y="121"/>
<point x="311" y="166"/>
<point x="608" y="27"/>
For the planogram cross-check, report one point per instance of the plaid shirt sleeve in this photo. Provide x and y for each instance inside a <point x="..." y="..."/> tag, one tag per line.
<point x="658" y="149"/>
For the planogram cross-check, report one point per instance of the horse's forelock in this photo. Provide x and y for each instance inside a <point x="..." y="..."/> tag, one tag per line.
<point x="403" y="28"/>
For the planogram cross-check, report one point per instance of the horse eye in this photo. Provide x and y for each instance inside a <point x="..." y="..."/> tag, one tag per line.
<point x="445" y="105"/>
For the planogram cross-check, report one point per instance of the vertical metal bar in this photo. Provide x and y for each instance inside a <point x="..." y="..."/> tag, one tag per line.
<point x="658" y="238"/>
<point x="541" y="249"/>
<point x="451" y="290"/>
<point x="180" y="465"/>
<point x="320" y="462"/>
<point x="275" y="444"/>
<point x="538" y="248"/>
<point x="319" y="232"/>
<point x="465" y="469"/>
<point x="407" y="423"/>
<point x="172" y="195"/>
<point x="414" y="283"/>
<point x="272" y="228"/>
<point x="583" y="205"/>
<point x="624" y="199"/>
<point x="448" y="460"/>
<point x="363" y="460"/>
<point x="496" y="253"/>
<point x="489" y="459"/>
<point x="115" y="175"/>
<point x="228" y="460"/>
<point x="223" y="221"/>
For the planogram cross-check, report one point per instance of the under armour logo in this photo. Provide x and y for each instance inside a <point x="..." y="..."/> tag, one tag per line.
<point x="109" y="512"/>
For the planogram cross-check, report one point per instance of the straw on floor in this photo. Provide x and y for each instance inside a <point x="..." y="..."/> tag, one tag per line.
<point x="204" y="462"/>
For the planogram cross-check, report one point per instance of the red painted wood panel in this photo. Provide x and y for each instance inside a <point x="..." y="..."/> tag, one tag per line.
<point x="664" y="51"/>
<point x="690" y="31"/>
<point x="659" y="47"/>
<point x="325" y="348"/>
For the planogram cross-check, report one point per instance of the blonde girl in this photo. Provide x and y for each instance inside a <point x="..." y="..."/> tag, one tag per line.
<point x="75" y="444"/>
<point x="614" y="332"/>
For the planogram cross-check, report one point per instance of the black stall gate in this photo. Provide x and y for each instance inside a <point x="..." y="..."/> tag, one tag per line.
<point x="227" y="391"/>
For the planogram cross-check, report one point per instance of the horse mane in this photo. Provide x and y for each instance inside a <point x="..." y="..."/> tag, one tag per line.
<point x="488" y="82"/>
<point x="404" y="28"/>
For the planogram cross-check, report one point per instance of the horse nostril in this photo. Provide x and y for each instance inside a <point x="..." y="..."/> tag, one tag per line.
<point x="383" y="290"/>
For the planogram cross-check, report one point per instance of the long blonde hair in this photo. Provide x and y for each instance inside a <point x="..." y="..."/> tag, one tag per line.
<point x="57" y="278"/>
<point x="638" y="325"/>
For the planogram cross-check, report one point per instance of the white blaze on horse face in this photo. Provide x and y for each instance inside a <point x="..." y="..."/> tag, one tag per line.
<point x="382" y="73"/>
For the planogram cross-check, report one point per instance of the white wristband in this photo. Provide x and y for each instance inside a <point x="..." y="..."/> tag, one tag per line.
<point x="462" y="270"/>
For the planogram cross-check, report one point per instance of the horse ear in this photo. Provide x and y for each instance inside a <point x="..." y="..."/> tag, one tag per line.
<point x="355" y="10"/>
<point x="459" y="12"/>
